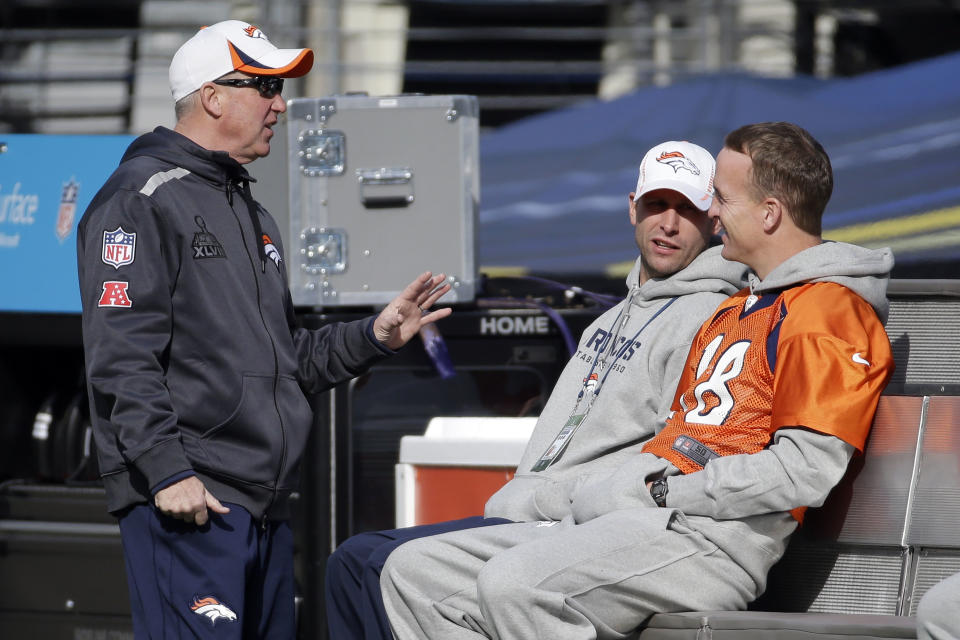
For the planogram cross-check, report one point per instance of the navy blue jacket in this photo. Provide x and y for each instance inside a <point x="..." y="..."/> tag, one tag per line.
<point x="194" y="363"/>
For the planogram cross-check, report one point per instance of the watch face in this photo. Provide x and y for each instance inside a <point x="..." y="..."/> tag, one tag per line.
<point x="659" y="492"/>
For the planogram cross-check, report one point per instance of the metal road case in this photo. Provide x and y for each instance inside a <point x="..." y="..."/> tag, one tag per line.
<point x="380" y="190"/>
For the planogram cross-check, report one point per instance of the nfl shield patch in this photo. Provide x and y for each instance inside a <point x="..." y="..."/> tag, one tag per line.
<point x="118" y="247"/>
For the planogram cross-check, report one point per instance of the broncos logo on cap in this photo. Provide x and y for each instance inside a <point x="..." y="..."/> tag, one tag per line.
<point x="678" y="161"/>
<point x="254" y="31"/>
<point x="212" y="609"/>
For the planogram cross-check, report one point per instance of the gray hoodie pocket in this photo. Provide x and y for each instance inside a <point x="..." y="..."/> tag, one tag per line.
<point x="251" y="444"/>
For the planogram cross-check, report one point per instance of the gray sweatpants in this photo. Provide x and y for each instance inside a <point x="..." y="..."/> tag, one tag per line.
<point x="519" y="581"/>
<point x="938" y="614"/>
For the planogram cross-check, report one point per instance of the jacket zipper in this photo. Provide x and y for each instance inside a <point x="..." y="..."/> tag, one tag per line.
<point x="231" y="185"/>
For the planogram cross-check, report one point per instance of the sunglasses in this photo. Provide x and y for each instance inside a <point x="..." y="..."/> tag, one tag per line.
<point x="268" y="86"/>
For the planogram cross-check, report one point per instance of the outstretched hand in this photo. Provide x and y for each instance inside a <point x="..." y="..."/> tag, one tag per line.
<point x="407" y="313"/>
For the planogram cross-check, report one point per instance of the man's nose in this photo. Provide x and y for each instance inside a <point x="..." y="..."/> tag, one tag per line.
<point x="714" y="210"/>
<point x="670" y="220"/>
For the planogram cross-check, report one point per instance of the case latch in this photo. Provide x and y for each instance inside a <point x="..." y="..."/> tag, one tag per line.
<point x="322" y="153"/>
<point x="323" y="251"/>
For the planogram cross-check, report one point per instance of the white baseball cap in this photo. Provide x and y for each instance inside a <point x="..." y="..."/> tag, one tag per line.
<point x="681" y="166"/>
<point x="232" y="45"/>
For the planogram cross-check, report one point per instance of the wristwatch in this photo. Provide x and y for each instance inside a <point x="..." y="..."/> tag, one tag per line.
<point x="658" y="491"/>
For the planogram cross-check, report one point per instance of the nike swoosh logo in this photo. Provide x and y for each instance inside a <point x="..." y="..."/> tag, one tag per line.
<point x="858" y="358"/>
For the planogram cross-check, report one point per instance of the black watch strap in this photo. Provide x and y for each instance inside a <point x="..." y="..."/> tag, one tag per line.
<point x="658" y="490"/>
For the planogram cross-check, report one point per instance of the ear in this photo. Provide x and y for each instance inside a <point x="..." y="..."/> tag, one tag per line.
<point x="210" y="98"/>
<point x="633" y="209"/>
<point x="773" y="214"/>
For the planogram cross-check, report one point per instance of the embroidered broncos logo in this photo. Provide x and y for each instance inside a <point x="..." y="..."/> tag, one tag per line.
<point x="678" y="161"/>
<point x="271" y="250"/>
<point x="254" y="31"/>
<point x="212" y="609"/>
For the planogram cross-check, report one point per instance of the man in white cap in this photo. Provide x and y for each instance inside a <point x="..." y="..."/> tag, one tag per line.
<point x="777" y="393"/>
<point x="612" y="396"/>
<point x="196" y="372"/>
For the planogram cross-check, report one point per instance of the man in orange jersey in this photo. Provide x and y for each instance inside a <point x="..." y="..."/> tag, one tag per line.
<point x="777" y="394"/>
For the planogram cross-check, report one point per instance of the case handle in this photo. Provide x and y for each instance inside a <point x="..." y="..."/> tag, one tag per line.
<point x="386" y="188"/>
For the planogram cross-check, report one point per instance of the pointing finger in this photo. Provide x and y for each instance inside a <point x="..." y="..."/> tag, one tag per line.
<point x="215" y="505"/>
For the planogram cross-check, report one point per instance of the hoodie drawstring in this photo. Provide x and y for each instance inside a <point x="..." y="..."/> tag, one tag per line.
<point x="244" y="188"/>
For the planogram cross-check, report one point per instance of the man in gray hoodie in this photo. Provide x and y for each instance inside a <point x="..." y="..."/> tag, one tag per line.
<point x="777" y="393"/>
<point x="612" y="396"/>
<point x="938" y="614"/>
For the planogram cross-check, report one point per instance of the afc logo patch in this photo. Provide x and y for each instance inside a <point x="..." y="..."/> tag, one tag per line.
<point x="115" y="295"/>
<point x="119" y="247"/>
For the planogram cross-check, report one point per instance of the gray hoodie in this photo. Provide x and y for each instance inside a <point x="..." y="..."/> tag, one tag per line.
<point x="742" y="502"/>
<point x="865" y="271"/>
<point x="636" y="385"/>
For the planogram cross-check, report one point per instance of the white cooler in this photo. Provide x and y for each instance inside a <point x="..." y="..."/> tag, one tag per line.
<point x="451" y="470"/>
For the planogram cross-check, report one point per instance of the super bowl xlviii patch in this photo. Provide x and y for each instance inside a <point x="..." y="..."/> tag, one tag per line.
<point x="212" y="609"/>
<point x="205" y="244"/>
<point x="115" y="295"/>
<point x="119" y="247"/>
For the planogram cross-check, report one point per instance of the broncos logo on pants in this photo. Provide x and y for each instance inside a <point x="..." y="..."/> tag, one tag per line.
<point x="212" y="609"/>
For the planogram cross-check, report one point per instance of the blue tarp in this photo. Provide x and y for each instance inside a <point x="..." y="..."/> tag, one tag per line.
<point x="554" y="187"/>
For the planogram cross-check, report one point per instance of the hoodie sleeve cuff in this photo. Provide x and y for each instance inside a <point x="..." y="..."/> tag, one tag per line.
<point x="163" y="461"/>
<point x="687" y="493"/>
<point x="175" y="478"/>
<point x="373" y="337"/>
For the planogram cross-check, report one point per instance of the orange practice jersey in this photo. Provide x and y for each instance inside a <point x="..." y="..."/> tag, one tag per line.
<point x="813" y="356"/>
